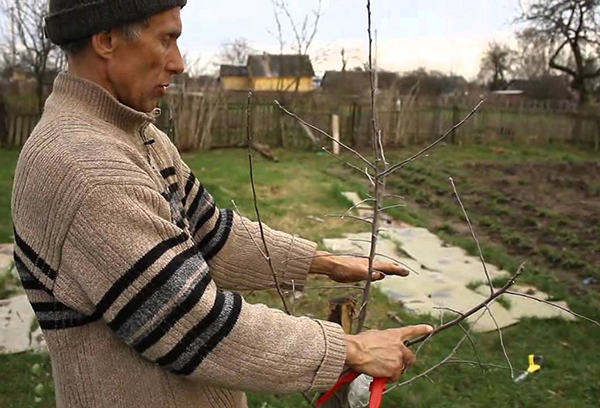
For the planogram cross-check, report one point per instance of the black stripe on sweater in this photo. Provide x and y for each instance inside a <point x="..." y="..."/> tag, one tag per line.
<point x="35" y="259"/>
<point x="212" y="243"/>
<point x="50" y="307"/>
<point x="173" y="188"/>
<point x="29" y="281"/>
<point x="52" y="315"/>
<point x="204" y="219"/>
<point x="176" y="314"/>
<point x="136" y="271"/>
<point x="196" y="331"/>
<point x="69" y="323"/>
<point x="169" y="171"/>
<point x="160" y="279"/>
<point x="196" y="203"/>
<point x="188" y="187"/>
<point x="191" y="366"/>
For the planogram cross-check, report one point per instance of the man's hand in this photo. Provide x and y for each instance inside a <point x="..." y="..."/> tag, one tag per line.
<point x="382" y="353"/>
<point x="348" y="269"/>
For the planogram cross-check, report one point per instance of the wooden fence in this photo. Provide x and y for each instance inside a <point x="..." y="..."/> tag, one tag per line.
<point x="404" y="122"/>
<point x="16" y="129"/>
<point x="221" y="122"/>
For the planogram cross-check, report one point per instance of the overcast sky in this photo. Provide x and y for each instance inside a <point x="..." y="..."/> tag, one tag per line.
<point x="446" y="35"/>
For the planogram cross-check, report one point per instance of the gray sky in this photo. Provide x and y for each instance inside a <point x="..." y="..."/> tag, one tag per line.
<point x="447" y="35"/>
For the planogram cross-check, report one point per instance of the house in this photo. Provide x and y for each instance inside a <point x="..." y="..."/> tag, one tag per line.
<point x="357" y="83"/>
<point x="268" y="72"/>
<point x="234" y="78"/>
<point x="546" y="88"/>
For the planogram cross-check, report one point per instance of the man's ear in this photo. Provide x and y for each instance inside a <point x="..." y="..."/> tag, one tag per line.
<point x="105" y="43"/>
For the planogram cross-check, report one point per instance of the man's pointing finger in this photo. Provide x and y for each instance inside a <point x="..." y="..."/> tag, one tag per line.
<point x="409" y="332"/>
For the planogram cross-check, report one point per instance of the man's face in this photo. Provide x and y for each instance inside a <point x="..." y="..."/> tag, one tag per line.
<point x="141" y="69"/>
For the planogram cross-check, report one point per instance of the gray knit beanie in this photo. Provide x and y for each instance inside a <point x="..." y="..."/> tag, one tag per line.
<point x="72" y="20"/>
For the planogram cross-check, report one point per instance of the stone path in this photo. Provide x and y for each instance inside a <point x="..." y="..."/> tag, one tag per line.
<point x="444" y="275"/>
<point x="19" y="331"/>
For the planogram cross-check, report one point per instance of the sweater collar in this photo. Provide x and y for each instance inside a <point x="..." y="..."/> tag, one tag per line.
<point x="71" y="93"/>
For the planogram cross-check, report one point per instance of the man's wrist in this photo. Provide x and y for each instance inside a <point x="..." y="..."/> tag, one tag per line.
<point x="353" y="351"/>
<point x="321" y="264"/>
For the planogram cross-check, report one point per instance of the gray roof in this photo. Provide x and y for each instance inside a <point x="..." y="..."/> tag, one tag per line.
<point x="234" y="70"/>
<point x="277" y="66"/>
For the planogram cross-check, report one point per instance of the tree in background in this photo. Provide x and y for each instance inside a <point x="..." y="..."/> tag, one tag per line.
<point x="533" y="55"/>
<point x="571" y="28"/>
<point x="235" y="52"/>
<point x="496" y="66"/>
<point x="30" y="49"/>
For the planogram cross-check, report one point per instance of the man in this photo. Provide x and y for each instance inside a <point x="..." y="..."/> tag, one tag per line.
<point x="125" y="257"/>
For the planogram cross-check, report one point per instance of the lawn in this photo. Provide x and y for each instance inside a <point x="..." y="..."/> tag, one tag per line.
<point x="526" y="203"/>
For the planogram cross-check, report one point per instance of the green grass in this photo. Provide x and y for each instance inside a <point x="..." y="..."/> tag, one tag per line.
<point x="8" y="158"/>
<point x="305" y="185"/>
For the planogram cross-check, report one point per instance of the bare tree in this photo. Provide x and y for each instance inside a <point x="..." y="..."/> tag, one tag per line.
<point x="304" y="32"/>
<point x="572" y="28"/>
<point x="534" y="52"/>
<point x="496" y="65"/>
<point x="30" y="47"/>
<point x="235" y="52"/>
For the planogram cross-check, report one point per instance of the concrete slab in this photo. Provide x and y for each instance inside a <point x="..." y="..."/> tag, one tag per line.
<point x="16" y="320"/>
<point x="442" y="276"/>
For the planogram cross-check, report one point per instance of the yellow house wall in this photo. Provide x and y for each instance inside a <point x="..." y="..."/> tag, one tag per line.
<point x="282" y="84"/>
<point x="235" y="83"/>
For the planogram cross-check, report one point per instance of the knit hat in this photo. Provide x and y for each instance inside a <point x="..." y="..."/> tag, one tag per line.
<point x="72" y="20"/>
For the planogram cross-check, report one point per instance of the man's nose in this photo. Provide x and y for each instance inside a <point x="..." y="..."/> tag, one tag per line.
<point x="175" y="63"/>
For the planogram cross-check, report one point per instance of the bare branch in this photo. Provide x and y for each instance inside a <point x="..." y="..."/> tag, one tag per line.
<point x="260" y="225"/>
<point x="293" y="115"/>
<point x="474" y="310"/>
<point x="511" y="293"/>
<point x="431" y="146"/>
<point x="487" y="275"/>
<point x="512" y="373"/>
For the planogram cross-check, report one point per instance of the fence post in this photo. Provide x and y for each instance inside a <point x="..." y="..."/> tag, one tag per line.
<point x="335" y="132"/>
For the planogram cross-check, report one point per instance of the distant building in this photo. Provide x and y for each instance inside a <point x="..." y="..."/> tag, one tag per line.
<point x="545" y="88"/>
<point x="267" y="72"/>
<point x="235" y="78"/>
<point x="356" y="83"/>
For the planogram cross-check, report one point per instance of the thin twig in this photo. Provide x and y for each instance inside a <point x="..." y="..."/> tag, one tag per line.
<point x="432" y="145"/>
<point x="237" y="211"/>
<point x="345" y="162"/>
<point x="474" y="310"/>
<point x="357" y="205"/>
<point x="430" y="369"/>
<point x="353" y="217"/>
<point x="512" y="373"/>
<point x="260" y="225"/>
<point x="299" y="119"/>
<point x="481" y="258"/>
<point x="511" y="293"/>
<point x="336" y="287"/>
<point x="390" y="207"/>
<point x="479" y="364"/>
<point x="465" y="331"/>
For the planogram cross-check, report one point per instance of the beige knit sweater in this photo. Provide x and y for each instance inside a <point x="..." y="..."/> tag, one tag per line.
<point x="126" y="261"/>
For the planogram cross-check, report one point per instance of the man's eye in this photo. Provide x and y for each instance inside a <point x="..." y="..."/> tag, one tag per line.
<point x="166" y="41"/>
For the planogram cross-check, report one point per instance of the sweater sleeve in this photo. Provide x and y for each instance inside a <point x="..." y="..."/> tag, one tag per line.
<point x="149" y="282"/>
<point x="233" y="247"/>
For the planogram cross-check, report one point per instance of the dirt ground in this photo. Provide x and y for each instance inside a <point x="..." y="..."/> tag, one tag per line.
<point x="545" y="212"/>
